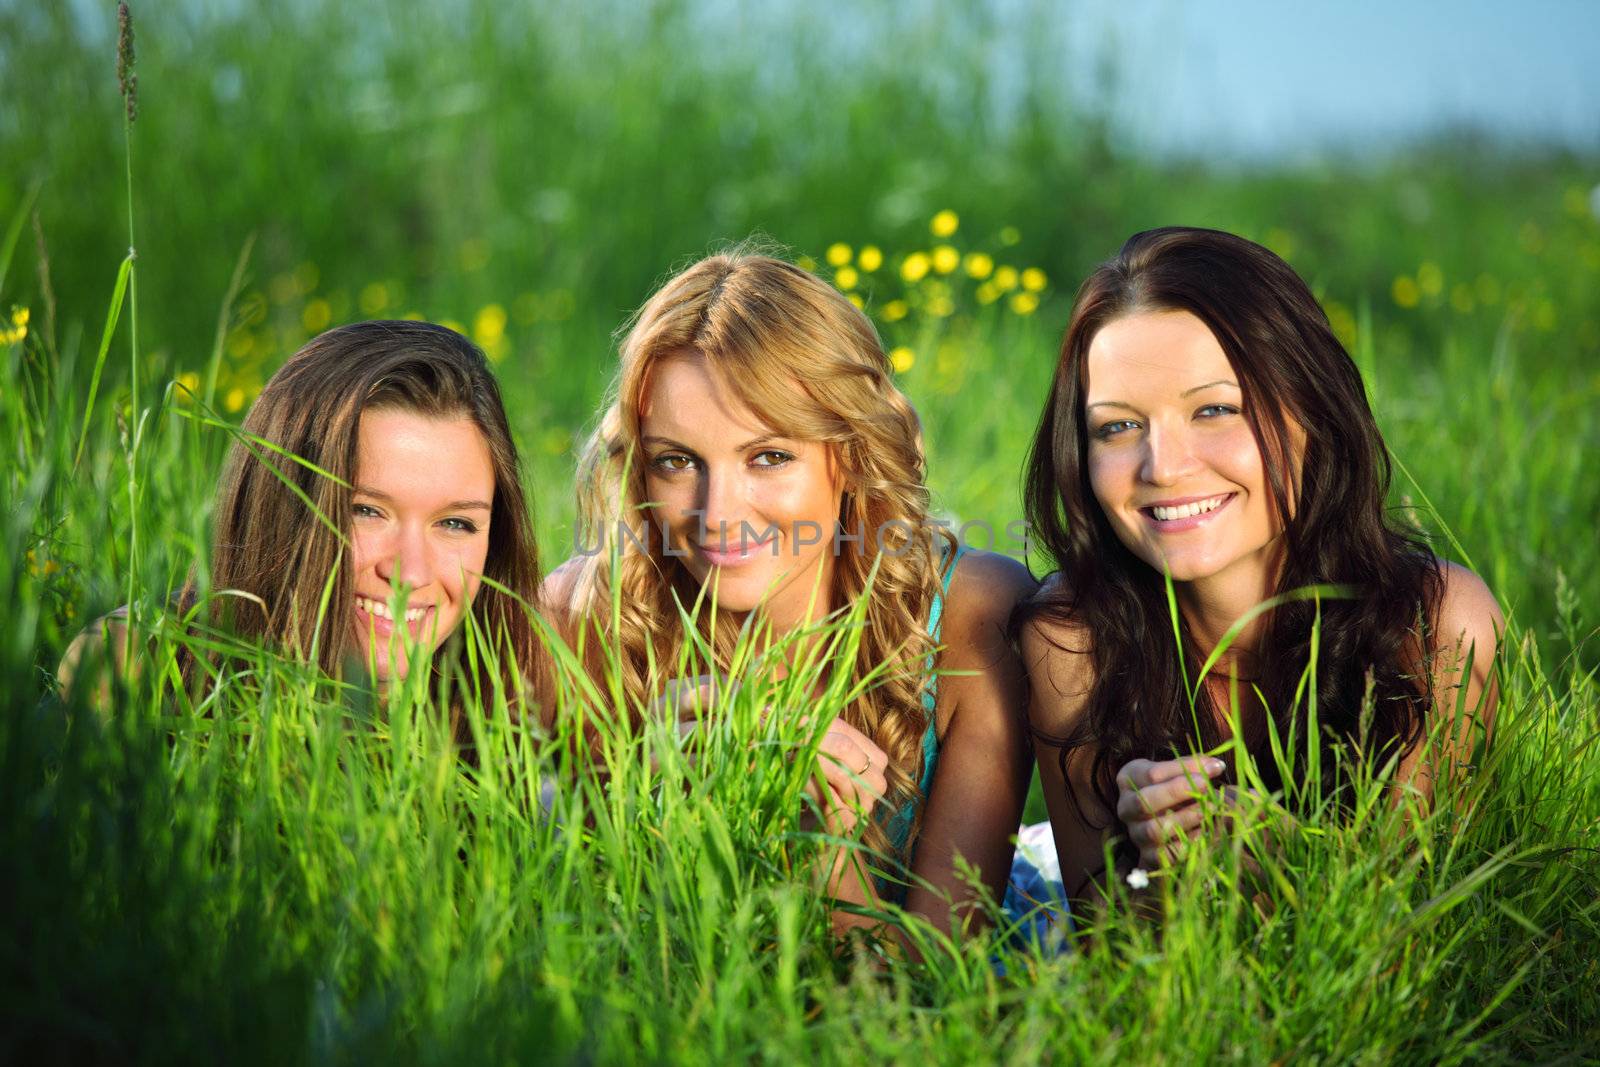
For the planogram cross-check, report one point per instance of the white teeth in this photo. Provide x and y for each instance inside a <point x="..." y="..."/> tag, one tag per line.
<point x="1184" y="511"/>
<point x="379" y="610"/>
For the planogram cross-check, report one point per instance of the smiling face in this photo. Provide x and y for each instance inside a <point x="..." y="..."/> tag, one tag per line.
<point x="1172" y="460"/>
<point x="748" y="507"/>
<point x="424" y="489"/>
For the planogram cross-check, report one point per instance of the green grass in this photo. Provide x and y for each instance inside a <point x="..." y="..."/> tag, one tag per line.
<point x="293" y="873"/>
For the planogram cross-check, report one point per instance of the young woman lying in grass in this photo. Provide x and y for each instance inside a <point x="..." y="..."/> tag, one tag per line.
<point x="375" y="470"/>
<point x="759" y="448"/>
<point x="1206" y="424"/>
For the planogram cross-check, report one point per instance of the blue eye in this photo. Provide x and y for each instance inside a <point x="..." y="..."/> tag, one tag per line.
<point x="460" y="525"/>
<point x="1108" y="430"/>
<point x="364" y="511"/>
<point x="1212" y="411"/>
<point x="672" y="462"/>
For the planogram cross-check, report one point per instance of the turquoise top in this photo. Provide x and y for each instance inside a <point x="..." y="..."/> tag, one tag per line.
<point x="899" y="824"/>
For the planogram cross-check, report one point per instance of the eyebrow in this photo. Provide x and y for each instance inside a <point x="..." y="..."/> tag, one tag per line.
<point x="753" y="442"/>
<point x="454" y="505"/>
<point x="1186" y="392"/>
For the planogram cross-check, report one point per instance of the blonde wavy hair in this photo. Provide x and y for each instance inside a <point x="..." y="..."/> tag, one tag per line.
<point x="809" y="364"/>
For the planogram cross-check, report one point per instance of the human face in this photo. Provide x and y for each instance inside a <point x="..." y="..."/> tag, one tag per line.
<point x="1172" y="460"/>
<point x="424" y="490"/>
<point x="748" y="507"/>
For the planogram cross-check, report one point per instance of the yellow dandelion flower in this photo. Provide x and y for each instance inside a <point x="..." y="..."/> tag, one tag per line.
<point x="240" y="344"/>
<point x="473" y="254"/>
<point x="1024" y="303"/>
<point x="305" y="277"/>
<point x="1405" y="291"/>
<point x="855" y="298"/>
<point x="1034" y="280"/>
<point x="374" y="299"/>
<point x="940" y="307"/>
<point x="234" y="400"/>
<point x="870" y="259"/>
<point x="895" y="310"/>
<point x="1342" y="322"/>
<point x="1430" y="279"/>
<point x="945" y="259"/>
<point x="979" y="264"/>
<point x="1488" y="289"/>
<point x="1005" y="279"/>
<point x="902" y="359"/>
<point x="846" y="277"/>
<point x="838" y="254"/>
<point x="452" y="324"/>
<point x="945" y="223"/>
<point x="252" y="310"/>
<point x="20" y="317"/>
<point x="489" y="328"/>
<point x="987" y="293"/>
<point x="1461" y="297"/>
<point x="188" y="386"/>
<point x="806" y="263"/>
<point x="1010" y="235"/>
<point x="413" y="316"/>
<point x="915" y="267"/>
<point x="497" y="350"/>
<point x="317" y="315"/>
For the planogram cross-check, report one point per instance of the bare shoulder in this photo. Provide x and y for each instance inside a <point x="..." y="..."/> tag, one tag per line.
<point x="984" y="589"/>
<point x="558" y="587"/>
<point x="1468" y="616"/>
<point x="1056" y="652"/>
<point x="106" y="635"/>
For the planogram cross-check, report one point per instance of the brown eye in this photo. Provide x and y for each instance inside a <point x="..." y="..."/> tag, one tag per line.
<point x="672" y="462"/>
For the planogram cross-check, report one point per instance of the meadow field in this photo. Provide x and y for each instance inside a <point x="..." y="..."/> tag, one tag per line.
<point x="288" y="871"/>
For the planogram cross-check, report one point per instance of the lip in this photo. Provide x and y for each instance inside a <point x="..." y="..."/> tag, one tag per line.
<point x="1190" y="522"/>
<point x="746" y="552"/>
<point x="382" y="627"/>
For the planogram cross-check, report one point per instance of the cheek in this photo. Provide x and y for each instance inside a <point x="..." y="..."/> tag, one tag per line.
<point x="1110" y="479"/>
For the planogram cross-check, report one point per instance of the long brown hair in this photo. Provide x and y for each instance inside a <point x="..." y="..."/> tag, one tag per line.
<point x="1335" y="525"/>
<point x="797" y="353"/>
<point x="271" y="544"/>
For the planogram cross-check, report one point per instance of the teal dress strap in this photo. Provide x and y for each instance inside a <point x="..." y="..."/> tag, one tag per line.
<point x="899" y="824"/>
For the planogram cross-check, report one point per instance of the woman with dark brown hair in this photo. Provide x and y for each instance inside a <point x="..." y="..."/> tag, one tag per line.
<point x="371" y="503"/>
<point x="1206" y="425"/>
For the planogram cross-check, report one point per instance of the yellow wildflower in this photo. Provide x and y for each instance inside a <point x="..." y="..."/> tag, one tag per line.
<point x="1034" y="280"/>
<point x="838" y="254"/>
<point x="452" y="324"/>
<point x="806" y="263"/>
<point x="895" y="310"/>
<point x="1010" y="235"/>
<point x="1005" y="279"/>
<point x="20" y="317"/>
<point x="945" y="259"/>
<point x="870" y="259"/>
<point x="234" y="400"/>
<point x="1024" y="303"/>
<point x="945" y="223"/>
<point x="490" y="326"/>
<point x="855" y="298"/>
<point x="940" y="307"/>
<point x="413" y="316"/>
<point x="374" y="299"/>
<point x="902" y="359"/>
<point x="317" y="315"/>
<point x="1405" y="291"/>
<point x="979" y="264"/>
<point x="846" y="277"/>
<point x="188" y="387"/>
<point x="987" y="293"/>
<point x="915" y="267"/>
<point x="1430" y="279"/>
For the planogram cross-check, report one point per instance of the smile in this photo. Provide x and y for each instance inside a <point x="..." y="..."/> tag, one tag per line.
<point x="1172" y="515"/>
<point x="733" y="557"/>
<point x="377" y="609"/>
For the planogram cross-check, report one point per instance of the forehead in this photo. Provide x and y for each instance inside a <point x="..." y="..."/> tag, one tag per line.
<point x="683" y="399"/>
<point x="1153" y="351"/>
<point x="402" y="452"/>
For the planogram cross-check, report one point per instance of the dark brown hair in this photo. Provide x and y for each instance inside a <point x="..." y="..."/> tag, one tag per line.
<point x="270" y="544"/>
<point x="1290" y="367"/>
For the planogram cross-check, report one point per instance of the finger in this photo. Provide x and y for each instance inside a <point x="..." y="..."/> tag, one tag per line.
<point x="1150" y="800"/>
<point x="1151" y="831"/>
<point x="1192" y="768"/>
<point x="1134" y="774"/>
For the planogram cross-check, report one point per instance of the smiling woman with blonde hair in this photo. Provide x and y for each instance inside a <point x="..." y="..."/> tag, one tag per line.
<point x="756" y="441"/>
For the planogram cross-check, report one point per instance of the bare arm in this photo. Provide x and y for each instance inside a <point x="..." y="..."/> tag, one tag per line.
<point x="981" y="782"/>
<point x="88" y="652"/>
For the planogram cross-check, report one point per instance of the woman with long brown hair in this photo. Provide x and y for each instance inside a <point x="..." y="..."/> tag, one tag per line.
<point x="758" y="445"/>
<point x="376" y="475"/>
<point x="1206" y="426"/>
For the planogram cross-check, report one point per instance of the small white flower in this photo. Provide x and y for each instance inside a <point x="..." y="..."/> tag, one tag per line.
<point x="1138" y="879"/>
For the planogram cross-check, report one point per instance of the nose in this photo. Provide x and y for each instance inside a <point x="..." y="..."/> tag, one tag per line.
<point x="721" y="501"/>
<point x="407" y="560"/>
<point x="1169" y="455"/>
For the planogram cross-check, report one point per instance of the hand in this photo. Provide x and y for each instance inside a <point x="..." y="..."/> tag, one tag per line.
<point x="853" y="778"/>
<point x="1155" y="803"/>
